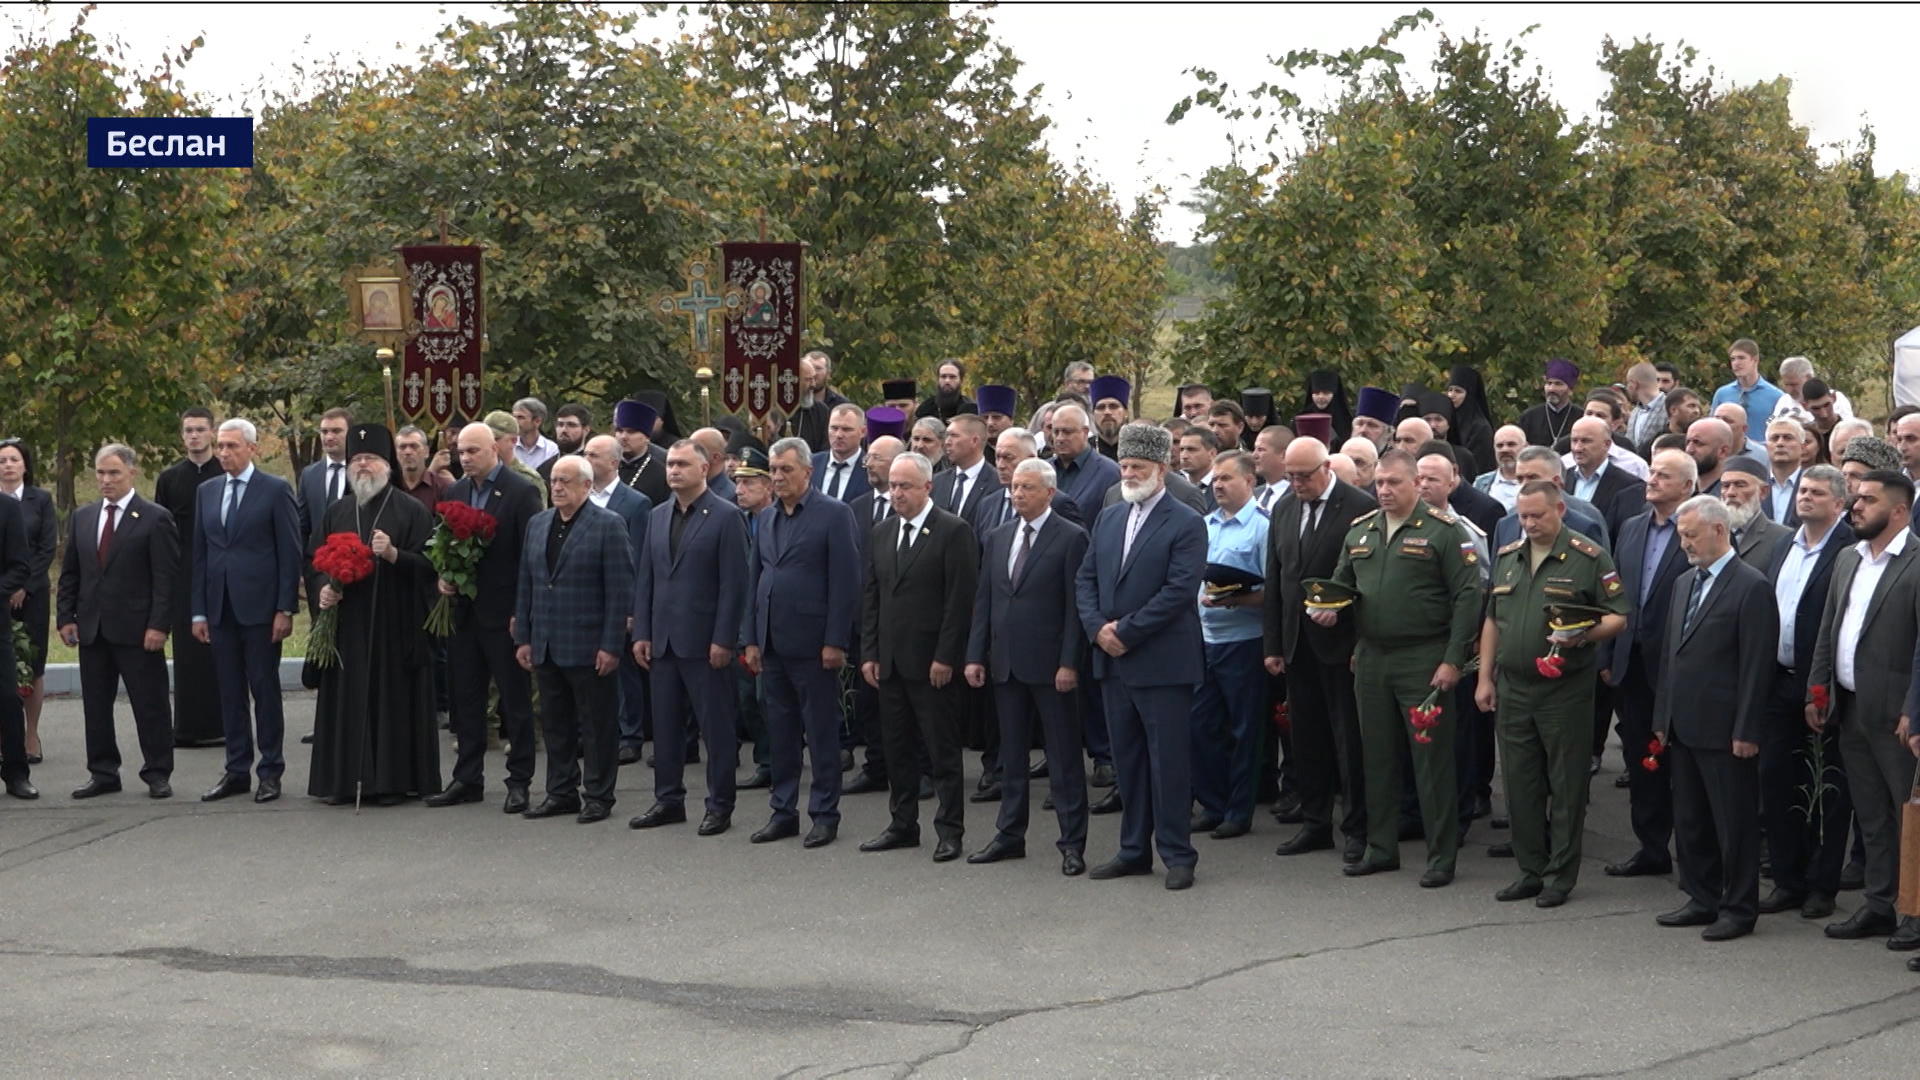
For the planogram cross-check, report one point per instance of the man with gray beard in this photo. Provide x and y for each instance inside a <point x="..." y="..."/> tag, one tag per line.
<point x="1743" y="484"/>
<point x="373" y="730"/>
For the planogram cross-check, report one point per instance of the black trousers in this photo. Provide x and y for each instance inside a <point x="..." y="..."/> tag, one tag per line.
<point x="1650" y="794"/>
<point x="13" y="718"/>
<point x="103" y="667"/>
<point x="579" y="713"/>
<point x="912" y="711"/>
<point x="1326" y="742"/>
<point x="1023" y="708"/>
<point x="1803" y="794"/>
<point x="476" y="657"/>
<point x="1716" y="823"/>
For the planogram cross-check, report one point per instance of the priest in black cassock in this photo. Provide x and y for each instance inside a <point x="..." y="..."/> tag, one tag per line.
<point x="196" y="693"/>
<point x="374" y="721"/>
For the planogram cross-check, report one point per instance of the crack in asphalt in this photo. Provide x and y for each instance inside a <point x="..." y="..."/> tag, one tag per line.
<point x="88" y="842"/>
<point x="1895" y="1023"/>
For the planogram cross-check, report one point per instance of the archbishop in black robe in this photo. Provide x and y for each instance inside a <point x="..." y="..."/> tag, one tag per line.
<point x="374" y="721"/>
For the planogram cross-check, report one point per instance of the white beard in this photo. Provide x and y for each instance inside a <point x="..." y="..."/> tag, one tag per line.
<point x="1742" y="516"/>
<point x="1138" y="491"/>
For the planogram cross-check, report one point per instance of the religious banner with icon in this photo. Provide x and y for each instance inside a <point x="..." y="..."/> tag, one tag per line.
<point x="441" y="372"/>
<point x="763" y="290"/>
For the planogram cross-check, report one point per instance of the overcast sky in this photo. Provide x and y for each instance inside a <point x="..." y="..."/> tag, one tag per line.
<point x="1112" y="73"/>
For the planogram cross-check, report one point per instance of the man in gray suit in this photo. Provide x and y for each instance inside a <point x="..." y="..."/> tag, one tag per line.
<point x="1864" y="659"/>
<point x="1743" y="487"/>
<point x="570" y="629"/>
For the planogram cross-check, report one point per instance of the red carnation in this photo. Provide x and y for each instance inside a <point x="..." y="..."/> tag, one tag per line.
<point x="1819" y="694"/>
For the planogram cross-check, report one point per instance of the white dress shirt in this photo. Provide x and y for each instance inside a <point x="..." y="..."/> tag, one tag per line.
<point x="536" y="455"/>
<point x="1865" y="580"/>
<point x="973" y="481"/>
<point x="1138" y="518"/>
<point x="919" y="524"/>
<point x="1013" y="553"/>
<point x="1780" y="496"/>
<point x="1792" y="582"/>
<point x="119" y="516"/>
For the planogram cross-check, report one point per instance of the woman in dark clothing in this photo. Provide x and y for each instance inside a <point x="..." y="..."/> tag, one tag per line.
<point x="31" y="605"/>
<point x="1472" y="417"/>
<point x="1437" y="411"/>
<point x="1257" y="403"/>
<point x="1325" y="394"/>
<point x="1410" y="397"/>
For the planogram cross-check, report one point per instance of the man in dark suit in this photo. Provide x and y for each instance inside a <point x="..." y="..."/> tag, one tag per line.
<point x="569" y="629"/>
<point x="1136" y="590"/>
<point x="323" y="480"/>
<point x="840" y="469"/>
<point x="800" y="625"/>
<point x="1786" y="451"/>
<point x="1027" y="643"/>
<point x="115" y="603"/>
<point x="922" y="569"/>
<point x="1010" y="448"/>
<point x="1304" y="542"/>
<point x="690" y="587"/>
<point x="248" y="555"/>
<point x="972" y="479"/>
<point x="196" y="696"/>
<point x="1717" y="659"/>
<point x="1743" y="487"/>
<point x="1086" y="476"/>
<point x="15" y="569"/>
<point x="1864" y="658"/>
<point x="871" y="508"/>
<point x="480" y="650"/>
<point x="1648" y="556"/>
<point x="1592" y="476"/>
<point x="1806" y="830"/>
<point x="603" y="455"/>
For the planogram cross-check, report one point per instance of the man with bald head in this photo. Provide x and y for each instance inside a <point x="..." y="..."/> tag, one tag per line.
<point x="1710" y="442"/>
<point x="714" y="442"/>
<point x="1593" y="476"/>
<point x="1343" y="467"/>
<point x="480" y="650"/>
<point x="1500" y="484"/>
<point x="1412" y="434"/>
<point x="1303" y="542"/>
<point x="603" y="454"/>
<point x="870" y="508"/>
<point x="1736" y="420"/>
<point x="1364" y="456"/>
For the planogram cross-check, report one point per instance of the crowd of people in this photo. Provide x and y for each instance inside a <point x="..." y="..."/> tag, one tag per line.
<point x="1353" y="611"/>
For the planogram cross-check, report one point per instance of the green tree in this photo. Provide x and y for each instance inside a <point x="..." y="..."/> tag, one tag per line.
<point x="110" y="292"/>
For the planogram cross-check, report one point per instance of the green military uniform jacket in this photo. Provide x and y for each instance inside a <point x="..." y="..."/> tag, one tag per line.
<point x="1575" y="571"/>
<point x="1421" y="585"/>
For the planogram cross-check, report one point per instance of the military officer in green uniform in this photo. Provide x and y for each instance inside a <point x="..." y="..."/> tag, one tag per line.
<point x="1555" y="595"/>
<point x="1418" y="607"/>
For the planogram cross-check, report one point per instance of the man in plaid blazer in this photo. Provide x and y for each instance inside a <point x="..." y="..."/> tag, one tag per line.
<point x="569" y="629"/>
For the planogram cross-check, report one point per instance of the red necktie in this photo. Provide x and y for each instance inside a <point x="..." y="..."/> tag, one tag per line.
<point x="106" y="534"/>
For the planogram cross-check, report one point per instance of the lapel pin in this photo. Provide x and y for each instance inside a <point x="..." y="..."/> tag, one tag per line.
<point x="133" y="513"/>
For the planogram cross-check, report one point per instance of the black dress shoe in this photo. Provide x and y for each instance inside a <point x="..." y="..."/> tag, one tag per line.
<point x="1853" y="877"/>
<point x="1913" y="963"/>
<point x="1287" y="810"/>
<point x="1640" y="864"/>
<point x="1524" y="889"/>
<point x="862" y="784"/>
<point x="1306" y="840"/>
<point x="1119" y="868"/>
<point x="1499" y="823"/>
<point x="1436" y="879"/>
<point x="230" y="784"/>
<point x="1725" y="929"/>
<point x="1179" y="877"/>
<point x="1000" y="848"/>
<point x="1623" y="781"/>
<point x="1780" y="900"/>
<point x="1687" y="914"/>
<point x="1046" y="803"/>
<point x="95" y="787"/>
<point x="268" y="791"/>
<point x="629" y="755"/>
<point x="659" y="814"/>
<point x="1353" y="850"/>
<point x="159" y="789"/>
<point x="1550" y="898"/>
<point x="649" y="759"/>
<point x="307" y="739"/>
<point x="762" y="778"/>
<point x="1038" y="770"/>
<point x="1864" y="923"/>
<point x="822" y="834"/>
<point x="846" y="759"/>
<point x="1227" y="830"/>
<point x="776" y="829"/>
<point x="946" y="851"/>
<point x="1482" y="807"/>
<point x="22" y="789"/>
<point x="1109" y="804"/>
<point x="1364" y="867"/>
<point x="456" y="793"/>
<point x="1203" y="822"/>
<point x="516" y="802"/>
<point x="891" y="839"/>
<point x="1072" y="864"/>
<point x="985" y="794"/>
<point x="1816" y="907"/>
<point x="1102" y="774"/>
<point x="552" y="807"/>
<point x="35" y="759"/>
<point x="1907" y="937"/>
<point x="714" y="824"/>
<point x="594" y="810"/>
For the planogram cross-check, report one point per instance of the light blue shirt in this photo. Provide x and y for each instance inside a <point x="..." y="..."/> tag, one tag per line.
<point x="1759" y="400"/>
<point x="1584" y="485"/>
<point x="1240" y="541"/>
<point x="1781" y="496"/>
<point x="1794" y="572"/>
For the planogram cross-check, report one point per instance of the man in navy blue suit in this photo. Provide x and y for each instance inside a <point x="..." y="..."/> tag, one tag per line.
<point x="1136" y="591"/>
<point x="1085" y="475"/>
<point x="799" y="628"/>
<point x="1026" y="642"/>
<point x="840" y="469"/>
<point x="690" y="582"/>
<point x="248" y="552"/>
<point x="635" y="509"/>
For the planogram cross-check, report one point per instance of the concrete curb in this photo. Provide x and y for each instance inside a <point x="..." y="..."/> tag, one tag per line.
<point x="64" y="679"/>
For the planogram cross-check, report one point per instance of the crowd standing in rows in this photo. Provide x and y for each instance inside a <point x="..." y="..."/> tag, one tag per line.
<point x="1355" y="614"/>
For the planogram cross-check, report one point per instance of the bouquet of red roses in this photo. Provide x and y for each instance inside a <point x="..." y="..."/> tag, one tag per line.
<point x="22" y="659"/>
<point x="458" y="543"/>
<point x="344" y="559"/>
